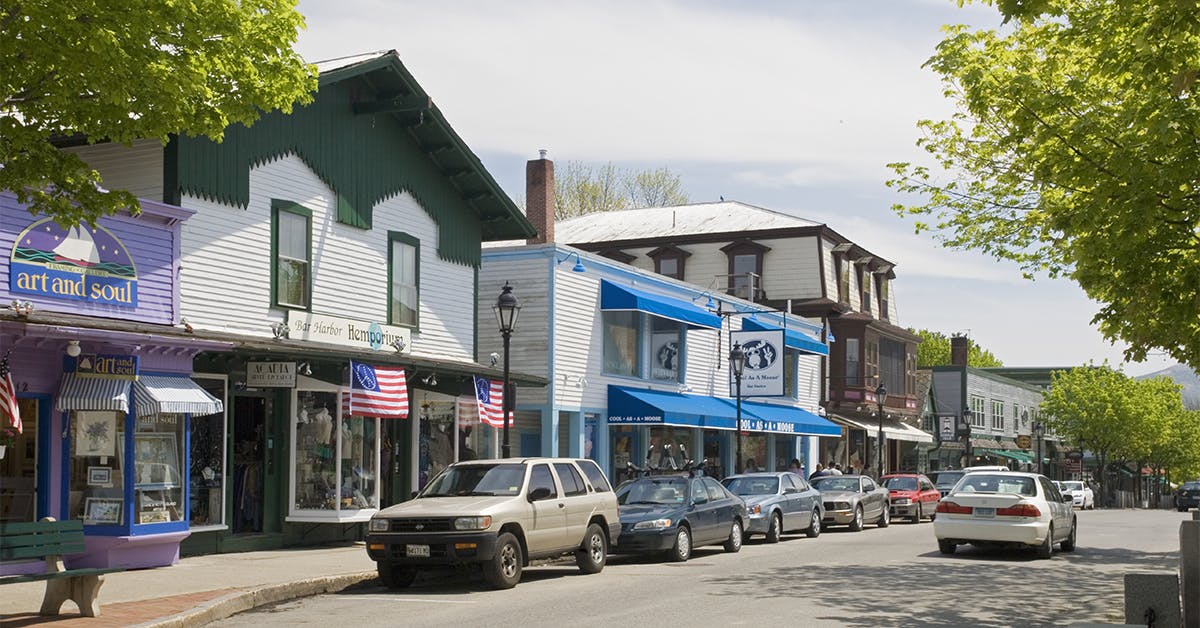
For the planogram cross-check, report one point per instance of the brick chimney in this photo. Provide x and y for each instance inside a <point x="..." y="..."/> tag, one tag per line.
<point x="539" y="198"/>
<point x="960" y="350"/>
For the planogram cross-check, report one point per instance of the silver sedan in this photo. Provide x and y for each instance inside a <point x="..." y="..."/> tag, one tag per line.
<point x="777" y="503"/>
<point x="852" y="500"/>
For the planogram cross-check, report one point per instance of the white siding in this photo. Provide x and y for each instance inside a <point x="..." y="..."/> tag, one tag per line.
<point x="577" y="338"/>
<point x="530" y="342"/>
<point x="226" y="269"/>
<point x="137" y="168"/>
<point x="830" y="278"/>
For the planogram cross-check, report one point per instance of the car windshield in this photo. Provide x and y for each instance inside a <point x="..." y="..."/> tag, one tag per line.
<point x="752" y="485"/>
<point x="901" y="484"/>
<point x="947" y="480"/>
<point x="988" y="483"/>
<point x="1190" y="486"/>
<point x="836" y="483"/>
<point x="477" y="479"/>
<point x="1073" y="486"/>
<point x="666" y="491"/>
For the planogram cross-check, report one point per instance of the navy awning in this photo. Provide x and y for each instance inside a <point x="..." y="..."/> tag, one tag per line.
<point x="617" y="297"/>
<point x="793" y="338"/>
<point x="636" y="405"/>
<point x="92" y="393"/>
<point x="778" y="419"/>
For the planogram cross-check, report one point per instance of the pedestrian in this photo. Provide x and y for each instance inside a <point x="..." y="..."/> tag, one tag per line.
<point x="819" y="472"/>
<point x="795" y="467"/>
<point x="831" y="469"/>
<point x="750" y="465"/>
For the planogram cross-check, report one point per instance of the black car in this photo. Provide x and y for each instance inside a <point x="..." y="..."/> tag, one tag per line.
<point x="675" y="513"/>
<point x="1188" y="496"/>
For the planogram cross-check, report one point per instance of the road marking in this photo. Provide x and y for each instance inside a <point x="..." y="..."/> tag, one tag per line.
<point x="394" y="598"/>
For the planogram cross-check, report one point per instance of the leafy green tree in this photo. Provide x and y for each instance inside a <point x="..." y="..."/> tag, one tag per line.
<point x="580" y="189"/>
<point x="1074" y="152"/>
<point x="121" y="71"/>
<point x="934" y="350"/>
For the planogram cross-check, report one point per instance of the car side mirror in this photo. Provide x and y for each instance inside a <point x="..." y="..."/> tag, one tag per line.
<point x="1067" y="499"/>
<point x="539" y="494"/>
<point x="699" y="500"/>
<point x="789" y="491"/>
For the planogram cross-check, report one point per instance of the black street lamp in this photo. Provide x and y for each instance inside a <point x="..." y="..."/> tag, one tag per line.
<point x="1039" y="432"/>
<point x="506" y="309"/>
<point x="737" y="364"/>
<point x="880" y="397"/>
<point x="965" y="434"/>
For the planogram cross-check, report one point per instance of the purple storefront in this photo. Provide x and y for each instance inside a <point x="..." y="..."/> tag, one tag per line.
<point x="89" y="325"/>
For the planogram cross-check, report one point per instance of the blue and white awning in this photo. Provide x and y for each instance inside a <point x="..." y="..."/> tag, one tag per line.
<point x="618" y="297"/>
<point x="159" y="394"/>
<point x="92" y="393"/>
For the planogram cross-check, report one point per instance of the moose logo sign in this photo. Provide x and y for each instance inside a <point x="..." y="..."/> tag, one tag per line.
<point x="763" y="374"/>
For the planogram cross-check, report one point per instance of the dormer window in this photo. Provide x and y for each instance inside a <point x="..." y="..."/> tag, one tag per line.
<point x="669" y="261"/>
<point x="746" y="269"/>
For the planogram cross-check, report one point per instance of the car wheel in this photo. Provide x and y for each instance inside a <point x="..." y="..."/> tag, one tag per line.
<point x="396" y="576"/>
<point x="591" y="557"/>
<point x="814" y="527"/>
<point x="682" y="550"/>
<point x="856" y="524"/>
<point x="916" y="518"/>
<point x="504" y="570"/>
<point x="1183" y="509"/>
<point x="885" y="517"/>
<point x="734" y="542"/>
<point x="946" y="547"/>
<point x="1068" y="544"/>
<point x="775" y="529"/>
<point x="1046" y="549"/>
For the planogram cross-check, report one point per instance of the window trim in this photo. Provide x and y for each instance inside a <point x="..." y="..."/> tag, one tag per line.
<point x="670" y="252"/>
<point x="744" y="246"/>
<point x="291" y="207"/>
<point x="413" y="241"/>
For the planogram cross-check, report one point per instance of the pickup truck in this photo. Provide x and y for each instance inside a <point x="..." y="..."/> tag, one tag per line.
<point x="499" y="514"/>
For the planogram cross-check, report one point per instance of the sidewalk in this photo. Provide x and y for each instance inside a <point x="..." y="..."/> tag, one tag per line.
<point x="199" y="589"/>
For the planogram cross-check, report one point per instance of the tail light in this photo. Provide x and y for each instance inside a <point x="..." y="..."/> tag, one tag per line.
<point x="951" y="508"/>
<point x="1020" y="510"/>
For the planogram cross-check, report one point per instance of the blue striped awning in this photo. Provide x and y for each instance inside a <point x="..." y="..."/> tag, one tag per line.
<point x="161" y="394"/>
<point x="92" y="393"/>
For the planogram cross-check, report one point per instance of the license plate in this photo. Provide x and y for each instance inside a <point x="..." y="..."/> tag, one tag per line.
<point x="417" y="551"/>
<point x="985" y="512"/>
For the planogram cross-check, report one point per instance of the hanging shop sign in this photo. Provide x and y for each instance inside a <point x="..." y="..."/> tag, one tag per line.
<point x="763" y="373"/>
<point x="81" y="263"/>
<point x="347" y="332"/>
<point x="270" y="374"/>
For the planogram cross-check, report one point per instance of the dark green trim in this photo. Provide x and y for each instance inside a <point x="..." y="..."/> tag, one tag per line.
<point x="171" y="171"/>
<point x="404" y="238"/>
<point x="299" y="210"/>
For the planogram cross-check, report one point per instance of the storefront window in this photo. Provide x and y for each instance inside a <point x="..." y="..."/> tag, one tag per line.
<point x="436" y="446"/>
<point x="97" y="469"/>
<point x="714" y="453"/>
<point x="668" y="448"/>
<point x="316" y="482"/>
<point x="666" y="340"/>
<point x="157" y="481"/>
<point x="207" y="468"/>
<point x="622" y="355"/>
<point x="624" y="442"/>
<point x="754" y="452"/>
<point x="359" y="457"/>
<point x="18" y="489"/>
<point x="335" y="458"/>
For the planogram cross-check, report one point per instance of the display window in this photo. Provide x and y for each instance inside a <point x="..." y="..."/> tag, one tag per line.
<point x="96" y="469"/>
<point x="668" y="448"/>
<point x="207" y="471"/>
<point x="335" y="458"/>
<point x="157" y="481"/>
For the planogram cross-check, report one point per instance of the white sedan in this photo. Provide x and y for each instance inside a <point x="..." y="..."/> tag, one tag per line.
<point x="1005" y="509"/>
<point x="1081" y="494"/>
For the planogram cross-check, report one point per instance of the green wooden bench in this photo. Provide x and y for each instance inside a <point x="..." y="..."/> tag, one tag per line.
<point x="49" y="540"/>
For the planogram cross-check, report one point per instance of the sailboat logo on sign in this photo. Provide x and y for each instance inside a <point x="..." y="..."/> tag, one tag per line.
<point x="81" y="263"/>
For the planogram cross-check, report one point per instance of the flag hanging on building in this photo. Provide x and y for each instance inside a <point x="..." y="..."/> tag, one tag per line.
<point x="377" y="391"/>
<point x="8" y="397"/>
<point x="490" y="395"/>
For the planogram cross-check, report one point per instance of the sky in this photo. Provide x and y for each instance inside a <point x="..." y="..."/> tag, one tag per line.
<point x="791" y="105"/>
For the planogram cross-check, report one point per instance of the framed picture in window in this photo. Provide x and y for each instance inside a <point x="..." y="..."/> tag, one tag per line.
<point x="95" y="433"/>
<point x="156" y="460"/>
<point x="102" y="510"/>
<point x="99" y="476"/>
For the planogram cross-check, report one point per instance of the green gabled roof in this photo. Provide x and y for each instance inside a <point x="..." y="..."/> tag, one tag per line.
<point x="370" y="133"/>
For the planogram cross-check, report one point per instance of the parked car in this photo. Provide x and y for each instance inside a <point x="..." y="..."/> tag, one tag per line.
<point x="1081" y="494"/>
<point x="852" y="500"/>
<point x="677" y="513"/>
<point x="777" y="503"/>
<point x="945" y="480"/>
<point x="913" y="496"/>
<point x="1188" y="496"/>
<point x="1006" y="509"/>
<point x="500" y="514"/>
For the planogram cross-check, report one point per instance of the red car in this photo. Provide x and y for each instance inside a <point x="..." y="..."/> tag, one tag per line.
<point x="913" y="496"/>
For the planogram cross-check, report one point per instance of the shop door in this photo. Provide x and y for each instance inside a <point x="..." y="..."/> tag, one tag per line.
<point x="18" y="465"/>
<point x="249" y="462"/>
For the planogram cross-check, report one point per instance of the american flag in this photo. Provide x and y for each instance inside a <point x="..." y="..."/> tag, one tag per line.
<point x="8" y="397"/>
<point x="490" y="395"/>
<point x="377" y="391"/>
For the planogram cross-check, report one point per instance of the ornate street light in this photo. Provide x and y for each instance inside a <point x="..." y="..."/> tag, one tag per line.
<point x="506" y="309"/>
<point x="737" y="365"/>
<point x="1039" y="432"/>
<point x="880" y="397"/>
<point x="965" y="434"/>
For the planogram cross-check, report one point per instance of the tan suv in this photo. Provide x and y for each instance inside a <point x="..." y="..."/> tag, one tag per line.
<point x="500" y="514"/>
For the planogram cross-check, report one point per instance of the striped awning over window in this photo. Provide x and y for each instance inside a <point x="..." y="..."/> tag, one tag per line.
<point x="160" y="394"/>
<point x="92" y="393"/>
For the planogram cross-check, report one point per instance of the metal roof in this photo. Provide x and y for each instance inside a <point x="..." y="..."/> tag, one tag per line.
<point x="679" y="220"/>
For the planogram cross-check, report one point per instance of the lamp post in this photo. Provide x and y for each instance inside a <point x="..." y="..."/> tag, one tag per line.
<point x="737" y="363"/>
<point x="1039" y="431"/>
<point x="506" y="309"/>
<point x="965" y="434"/>
<point x="880" y="397"/>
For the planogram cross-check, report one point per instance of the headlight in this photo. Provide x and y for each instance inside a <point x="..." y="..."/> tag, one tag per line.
<point x="379" y="525"/>
<point x="754" y="510"/>
<point x="841" y="505"/>
<point x="657" y="524"/>
<point x="473" y="523"/>
<point x="902" y="501"/>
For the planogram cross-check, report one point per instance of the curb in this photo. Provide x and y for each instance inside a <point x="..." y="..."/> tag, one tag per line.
<point x="241" y="601"/>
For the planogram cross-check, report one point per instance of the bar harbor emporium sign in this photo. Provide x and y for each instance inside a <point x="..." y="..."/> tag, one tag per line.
<point x="81" y="263"/>
<point x="347" y="332"/>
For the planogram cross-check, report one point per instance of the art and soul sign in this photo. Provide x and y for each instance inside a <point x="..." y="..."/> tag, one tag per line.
<point x="81" y="263"/>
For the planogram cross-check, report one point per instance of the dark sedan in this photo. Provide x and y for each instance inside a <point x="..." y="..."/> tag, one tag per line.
<point x="676" y="513"/>
<point x="777" y="503"/>
<point x="1188" y="496"/>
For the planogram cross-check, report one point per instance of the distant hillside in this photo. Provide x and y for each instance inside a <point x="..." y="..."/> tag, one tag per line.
<point x="1186" y="378"/>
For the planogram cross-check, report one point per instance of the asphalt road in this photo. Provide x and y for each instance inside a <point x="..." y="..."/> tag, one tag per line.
<point x="877" y="577"/>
